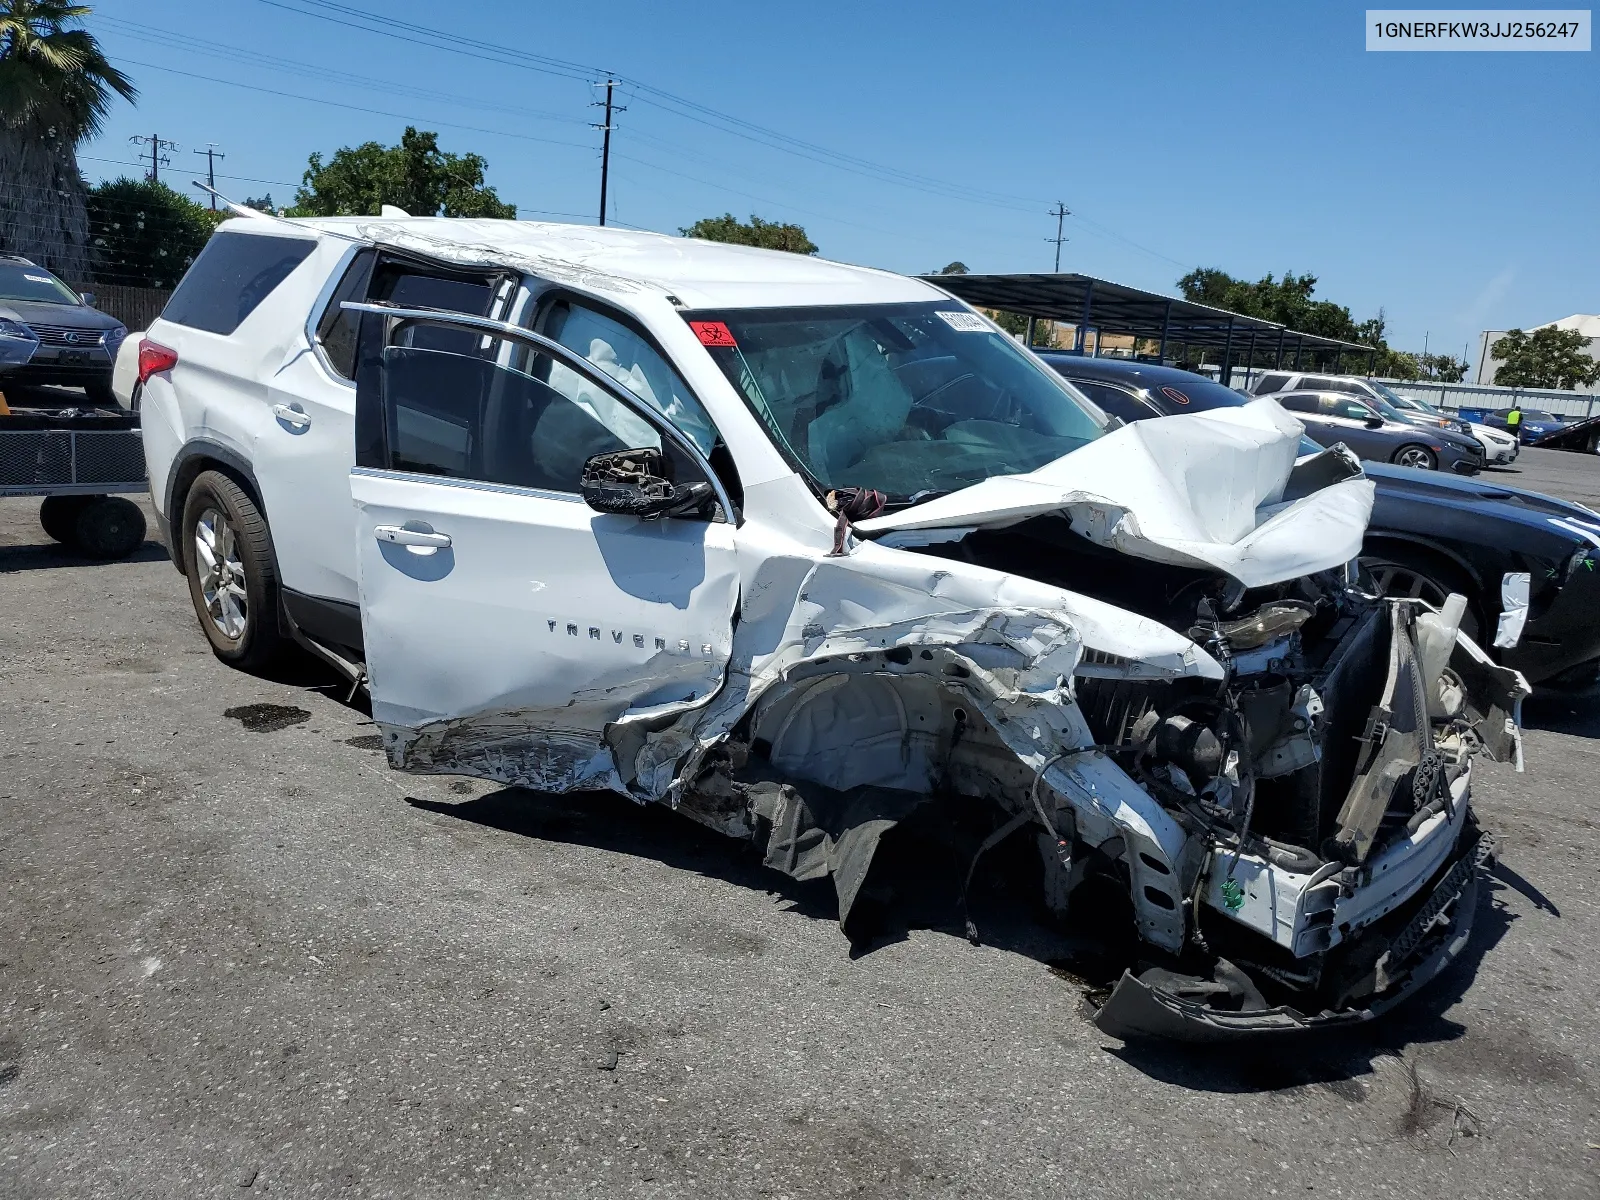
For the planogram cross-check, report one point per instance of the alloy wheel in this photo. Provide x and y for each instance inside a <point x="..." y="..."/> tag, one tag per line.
<point x="1398" y="582"/>
<point x="1415" y="456"/>
<point x="221" y="573"/>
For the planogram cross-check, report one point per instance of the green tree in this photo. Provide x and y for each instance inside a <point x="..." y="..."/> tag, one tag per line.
<point x="769" y="235"/>
<point x="1444" y="367"/>
<point x="1291" y="301"/>
<point x="955" y="268"/>
<point x="145" y="234"/>
<point x="1546" y="358"/>
<point x="56" y="89"/>
<point x="415" y="175"/>
<point x="260" y="203"/>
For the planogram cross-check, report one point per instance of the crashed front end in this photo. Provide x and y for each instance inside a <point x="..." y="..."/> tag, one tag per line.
<point x="1149" y="661"/>
<point x="1276" y="771"/>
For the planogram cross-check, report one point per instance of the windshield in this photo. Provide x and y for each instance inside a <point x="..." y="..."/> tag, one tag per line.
<point x="910" y="399"/>
<point x="1394" y="398"/>
<point x="34" y="285"/>
<point x="1409" y="403"/>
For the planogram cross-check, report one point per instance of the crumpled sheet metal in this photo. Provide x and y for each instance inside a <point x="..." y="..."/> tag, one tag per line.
<point x="1020" y="640"/>
<point x="1199" y="490"/>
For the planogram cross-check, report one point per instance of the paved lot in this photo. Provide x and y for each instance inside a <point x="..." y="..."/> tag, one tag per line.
<point x="237" y="960"/>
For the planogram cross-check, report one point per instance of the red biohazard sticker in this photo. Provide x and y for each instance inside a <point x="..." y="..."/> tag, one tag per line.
<point x="713" y="333"/>
<point x="1173" y="394"/>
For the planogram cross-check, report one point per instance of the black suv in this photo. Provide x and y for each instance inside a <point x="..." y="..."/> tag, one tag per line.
<point x="51" y="334"/>
<point x="1431" y="533"/>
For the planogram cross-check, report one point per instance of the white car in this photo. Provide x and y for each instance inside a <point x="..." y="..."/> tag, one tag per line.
<point x="804" y="549"/>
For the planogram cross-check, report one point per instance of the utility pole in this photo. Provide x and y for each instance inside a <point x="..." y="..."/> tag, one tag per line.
<point x="158" y="148"/>
<point x="212" y="153"/>
<point x="605" y="145"/>
<point x="1060" y="212"/>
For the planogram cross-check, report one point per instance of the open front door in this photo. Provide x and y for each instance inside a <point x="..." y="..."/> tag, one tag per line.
<point x="507" y="624"/>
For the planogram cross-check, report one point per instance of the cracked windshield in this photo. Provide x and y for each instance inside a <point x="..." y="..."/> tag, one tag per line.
<point x="914" y="400"/>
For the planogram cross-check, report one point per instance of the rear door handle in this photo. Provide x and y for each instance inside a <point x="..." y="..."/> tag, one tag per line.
<point x="292" y="415"/>
<point x="402" y="536"/>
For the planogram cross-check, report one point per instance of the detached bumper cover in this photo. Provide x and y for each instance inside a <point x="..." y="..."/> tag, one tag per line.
<point x="1433" y="938"/>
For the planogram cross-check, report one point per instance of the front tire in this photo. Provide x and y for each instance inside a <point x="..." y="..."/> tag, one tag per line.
<point x="233" y="573"/>
<point x="1418" y="456"/>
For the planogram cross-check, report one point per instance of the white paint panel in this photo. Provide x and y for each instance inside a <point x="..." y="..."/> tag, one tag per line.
<point x="539" y="606"/>
<point x="1201" y="489"/>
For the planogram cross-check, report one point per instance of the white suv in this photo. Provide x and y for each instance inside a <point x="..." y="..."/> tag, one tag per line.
<point x="803" y="549"/>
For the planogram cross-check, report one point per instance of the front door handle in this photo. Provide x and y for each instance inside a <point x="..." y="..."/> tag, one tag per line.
<point x="402" y="536"/>
<point x="292" y="414"/>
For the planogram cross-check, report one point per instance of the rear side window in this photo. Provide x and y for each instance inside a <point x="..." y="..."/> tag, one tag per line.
<point x="1271" y="383"/>
<point x="338" y="328"/>
<point x="233" y="275"/>
<point x="1298" y="403"/>
<point x="406" y="288"/>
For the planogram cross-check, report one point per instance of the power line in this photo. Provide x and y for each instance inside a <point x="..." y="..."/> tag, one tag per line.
<point x="439" y="39"/>
<point x="526" y="137"/>
<point x="1060" y="212"/>
<point x="158" y="157"/>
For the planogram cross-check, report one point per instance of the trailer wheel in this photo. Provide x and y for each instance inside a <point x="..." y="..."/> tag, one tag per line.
<point x="109" y="527"/>
<point x="59" y="516"/>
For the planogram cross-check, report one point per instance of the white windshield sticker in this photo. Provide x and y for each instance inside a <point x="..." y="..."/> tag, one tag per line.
<point x="36" y="278"/>
<point x="965" y="322"/>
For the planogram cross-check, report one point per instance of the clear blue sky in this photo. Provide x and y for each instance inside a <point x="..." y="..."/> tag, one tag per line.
<point x="1457" y="191"/>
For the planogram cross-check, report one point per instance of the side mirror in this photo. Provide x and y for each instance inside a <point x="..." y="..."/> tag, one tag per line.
<point x="1374" y="422"/>
<point x="88" y="298"/>
<point x="638" y="483"/>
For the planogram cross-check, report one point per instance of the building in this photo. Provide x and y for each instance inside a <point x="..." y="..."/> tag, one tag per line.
<point x="1588" y="325"/>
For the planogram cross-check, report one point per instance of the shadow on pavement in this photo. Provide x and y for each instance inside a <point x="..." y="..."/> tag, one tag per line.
<point x="1577" y="714"/>
<point x="1337" y="1058"/>
<point x="51" y="555"/>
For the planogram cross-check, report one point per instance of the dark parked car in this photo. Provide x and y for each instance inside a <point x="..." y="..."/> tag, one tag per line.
<point x="1535" y="421"/>
<point x="1377" y="434"/>
<point x="1431" y="533"/>
<point x="51" y="334"/>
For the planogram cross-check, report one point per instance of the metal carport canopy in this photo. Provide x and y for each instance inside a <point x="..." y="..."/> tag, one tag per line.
<point x="1115" y="308"/>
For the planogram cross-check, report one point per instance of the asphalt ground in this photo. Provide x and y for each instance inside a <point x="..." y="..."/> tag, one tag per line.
<point x="238" y="955"/>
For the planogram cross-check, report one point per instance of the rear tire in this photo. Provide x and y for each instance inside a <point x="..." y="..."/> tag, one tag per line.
<point x="233" y="573"/>
<point x="1414" y="455"/>
<point x="109" y="527"/>
<point x="58" y="515"/>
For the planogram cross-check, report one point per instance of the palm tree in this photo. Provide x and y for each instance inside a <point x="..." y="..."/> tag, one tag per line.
<point x="56" y="88"/>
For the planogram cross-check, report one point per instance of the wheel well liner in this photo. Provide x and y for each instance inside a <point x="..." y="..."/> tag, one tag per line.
<point x="197" y="455"/>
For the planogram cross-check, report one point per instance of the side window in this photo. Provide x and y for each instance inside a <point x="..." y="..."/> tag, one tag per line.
<point x="1270" y="383"/>
<point x="491" y="415"/>
<point x="628" y="357"/>
<point x="336" y="331"/>
<point x="1349" y="409"/>
<point x="413" y="284"/>
<point x="1298" y="402"/>
<point x="1114" y="400"/>
<point x="233" y="275"/>
<point x="410" y="287"/>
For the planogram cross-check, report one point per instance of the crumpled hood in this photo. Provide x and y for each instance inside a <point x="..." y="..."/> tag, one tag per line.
<point x="1200" y="490"/>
